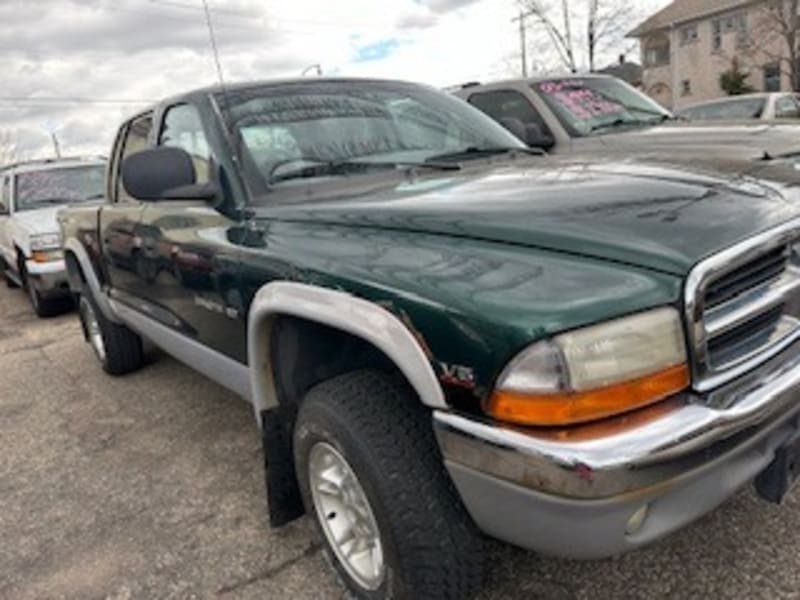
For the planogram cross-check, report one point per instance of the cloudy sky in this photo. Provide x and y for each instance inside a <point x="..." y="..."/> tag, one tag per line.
<point x="79" y="67"/>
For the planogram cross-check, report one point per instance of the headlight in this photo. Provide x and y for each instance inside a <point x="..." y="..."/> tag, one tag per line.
<point x="594" y="372"/>
<point x="45" y="241"/>
<point x="43" y="256"/>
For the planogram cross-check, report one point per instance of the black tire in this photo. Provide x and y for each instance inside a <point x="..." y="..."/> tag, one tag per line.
<point x="431" y="548"/>
<point x="43" y="307"/>
<point x="10" y="283"/>
<point x="122" y="350"/>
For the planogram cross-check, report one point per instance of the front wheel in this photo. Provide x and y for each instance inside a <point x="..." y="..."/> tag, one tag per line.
<point x="43" y="307"/>
<point x="373" y="480"/>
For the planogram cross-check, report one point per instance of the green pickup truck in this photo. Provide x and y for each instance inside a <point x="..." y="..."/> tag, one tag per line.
<point x="444" y="334"/>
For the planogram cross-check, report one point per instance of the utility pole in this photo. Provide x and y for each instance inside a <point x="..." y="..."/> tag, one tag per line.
<point x="522" y="41"/>
<point x="592" y="33"/>
<point x="56" y="145"/>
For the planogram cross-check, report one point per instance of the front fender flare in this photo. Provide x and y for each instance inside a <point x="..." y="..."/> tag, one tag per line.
<point x="342" y="311"/>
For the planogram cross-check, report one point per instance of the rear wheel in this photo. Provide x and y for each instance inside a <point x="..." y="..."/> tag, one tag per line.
<point x="373" y="480"/>
<point x="118" y="349"/>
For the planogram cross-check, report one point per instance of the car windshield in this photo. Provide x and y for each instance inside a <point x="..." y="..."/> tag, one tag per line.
<point x="592" y="104"/>
<point x="317" y="130"/>
<point x="37" y="189"/>
<point x="743" y="108"/>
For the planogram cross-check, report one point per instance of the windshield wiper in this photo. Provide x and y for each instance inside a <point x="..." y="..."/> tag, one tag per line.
<point x="780" y="156"/>
<point x="51" y="201"/>
<point x="620" y="122"/>
<point x="347" y="167"/>
<point x="477" y="152"/>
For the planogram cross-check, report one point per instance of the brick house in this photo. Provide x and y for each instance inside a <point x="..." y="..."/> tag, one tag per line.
<point x="688" y="44"/>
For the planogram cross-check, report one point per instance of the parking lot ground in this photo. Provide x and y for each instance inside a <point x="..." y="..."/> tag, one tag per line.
<point x="151" y="486"/>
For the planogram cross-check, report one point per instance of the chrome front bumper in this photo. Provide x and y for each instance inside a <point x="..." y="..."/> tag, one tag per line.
<point x="574" y="494"/>
<point x="49" y="278"/>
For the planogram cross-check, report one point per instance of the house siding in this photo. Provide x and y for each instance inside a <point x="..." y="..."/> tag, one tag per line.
<point x="699" y="63"/>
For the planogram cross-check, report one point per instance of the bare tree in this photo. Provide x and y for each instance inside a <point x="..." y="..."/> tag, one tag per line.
<point x="605" y="23"/>
<point x="8" y="148"/>
<point x="774" y="35"/>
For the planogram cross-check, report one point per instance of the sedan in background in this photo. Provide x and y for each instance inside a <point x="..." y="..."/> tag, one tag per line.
<point x="765" y="107"/>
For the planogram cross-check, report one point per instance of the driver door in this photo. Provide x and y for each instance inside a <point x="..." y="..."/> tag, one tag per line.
<point x="190" y="279"/>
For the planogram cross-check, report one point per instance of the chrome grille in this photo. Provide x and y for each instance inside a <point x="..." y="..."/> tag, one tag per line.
<point x="743" y="305"/>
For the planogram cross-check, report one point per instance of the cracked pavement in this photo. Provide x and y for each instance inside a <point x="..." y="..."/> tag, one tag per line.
<point x="151" y="486"/>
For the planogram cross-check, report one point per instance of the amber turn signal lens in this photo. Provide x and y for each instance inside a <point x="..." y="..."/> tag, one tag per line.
<point x="567" y="408"/>
<point x="41" y="257"/>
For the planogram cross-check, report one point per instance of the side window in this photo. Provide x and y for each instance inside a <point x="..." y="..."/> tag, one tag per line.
<point x="135" y="139"/>
<point x="182" y="128"/>
<point x="508" y="104"/>
<point x="5" y="195"/>
<point x="786" y="107"/>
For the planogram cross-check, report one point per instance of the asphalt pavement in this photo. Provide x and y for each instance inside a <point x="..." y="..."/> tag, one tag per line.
<point x="151" y="486"/>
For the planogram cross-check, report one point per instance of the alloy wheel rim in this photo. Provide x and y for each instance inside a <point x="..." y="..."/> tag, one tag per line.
<point x="346" y="516"/>
<point x="93" y="331"/>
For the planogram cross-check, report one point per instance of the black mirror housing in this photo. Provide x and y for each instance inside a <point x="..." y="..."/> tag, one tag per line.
<point x="155" y="173"/>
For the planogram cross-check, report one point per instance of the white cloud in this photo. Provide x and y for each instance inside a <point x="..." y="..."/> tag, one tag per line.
<point x="139" y="50"/>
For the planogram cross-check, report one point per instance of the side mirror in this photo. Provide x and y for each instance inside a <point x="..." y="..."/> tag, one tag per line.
<point x="164" y="173"/>
<point x="536" y="138"/>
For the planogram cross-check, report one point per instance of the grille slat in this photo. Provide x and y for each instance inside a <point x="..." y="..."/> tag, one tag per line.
<point x="746" y="309"/>
<point x="745" y="334"/>
<point x="763" y="269"/>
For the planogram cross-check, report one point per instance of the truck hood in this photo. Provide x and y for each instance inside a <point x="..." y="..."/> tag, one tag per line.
<point x="644" y="215"/>
<point x="38" y="221"/>
<point x="736" y="140"/>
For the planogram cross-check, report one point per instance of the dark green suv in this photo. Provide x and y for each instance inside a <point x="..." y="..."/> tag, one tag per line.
<point x="444" y="333"/>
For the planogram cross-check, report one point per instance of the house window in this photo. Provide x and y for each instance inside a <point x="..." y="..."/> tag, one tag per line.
<point x="733" y="23"/>
<point x="689" y="35"/>
<point x="772" y="77"/>
<point x="740" y="25"/>
<point x="656" y="51"/>
<point x="686" y="87"/>
<point x="716" y="35"/>
<point x="657" y="56"/>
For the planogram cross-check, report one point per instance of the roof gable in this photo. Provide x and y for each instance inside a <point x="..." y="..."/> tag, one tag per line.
<point x="681" y="11"/>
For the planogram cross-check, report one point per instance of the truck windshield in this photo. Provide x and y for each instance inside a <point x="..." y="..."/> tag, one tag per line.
<point x="592" y="104"/>
<point x="37" y="189"/>
<point x="287" y="130"/>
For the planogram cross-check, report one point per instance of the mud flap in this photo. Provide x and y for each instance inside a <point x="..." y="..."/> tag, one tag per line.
<point x="283" y="494"/>
<point x="774" y="482"/>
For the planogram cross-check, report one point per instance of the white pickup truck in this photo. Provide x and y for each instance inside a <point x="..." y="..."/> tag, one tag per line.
<point x="31" y="194"/>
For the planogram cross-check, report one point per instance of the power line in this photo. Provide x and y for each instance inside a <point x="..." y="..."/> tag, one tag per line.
<point x="249" y="15"/>
<point x="68" y="100"/>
